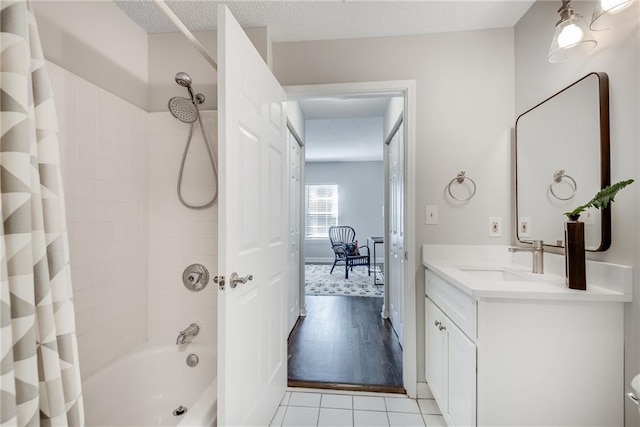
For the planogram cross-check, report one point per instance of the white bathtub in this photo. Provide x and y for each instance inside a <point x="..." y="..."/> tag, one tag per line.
<point x="145" y="386"/>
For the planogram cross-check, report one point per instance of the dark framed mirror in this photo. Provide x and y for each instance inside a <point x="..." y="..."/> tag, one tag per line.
<point x="561" y="161"/>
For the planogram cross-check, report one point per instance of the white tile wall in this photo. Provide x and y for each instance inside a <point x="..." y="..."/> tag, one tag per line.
<point x="103" y="162"/>
<point x="179" y="236"/>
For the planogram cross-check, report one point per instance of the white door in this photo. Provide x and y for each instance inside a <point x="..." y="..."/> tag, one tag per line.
<point x="293" y="280"/>
<point x="252" y="353"/>
<point x="395" y="273"/>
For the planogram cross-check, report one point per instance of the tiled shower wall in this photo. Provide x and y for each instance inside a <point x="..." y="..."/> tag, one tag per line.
<point x="103" y="161"/>
<point x="179" y="236"/>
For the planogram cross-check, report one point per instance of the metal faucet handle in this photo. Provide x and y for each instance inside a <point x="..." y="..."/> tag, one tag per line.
<point x="537" y="252"/>
<point x="535" y="246"/>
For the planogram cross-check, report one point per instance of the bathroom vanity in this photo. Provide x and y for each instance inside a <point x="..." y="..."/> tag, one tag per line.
<point x="508" y="347"/>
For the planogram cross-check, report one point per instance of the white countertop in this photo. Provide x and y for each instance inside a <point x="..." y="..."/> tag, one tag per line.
<point x="548" y="286"/>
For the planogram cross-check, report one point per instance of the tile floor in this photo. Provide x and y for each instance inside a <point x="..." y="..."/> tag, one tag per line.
<point x="324" y="408"/>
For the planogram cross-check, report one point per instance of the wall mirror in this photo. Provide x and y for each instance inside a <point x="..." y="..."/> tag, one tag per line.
<point x="562" y="161"/>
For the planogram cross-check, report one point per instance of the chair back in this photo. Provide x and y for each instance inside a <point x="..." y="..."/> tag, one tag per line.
<point x="341" y="234"/>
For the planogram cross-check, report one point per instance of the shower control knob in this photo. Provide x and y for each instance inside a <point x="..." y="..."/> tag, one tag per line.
<point x="195" y="277"/>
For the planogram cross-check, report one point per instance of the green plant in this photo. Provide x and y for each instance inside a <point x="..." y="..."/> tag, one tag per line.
<point x="601" y="200"/>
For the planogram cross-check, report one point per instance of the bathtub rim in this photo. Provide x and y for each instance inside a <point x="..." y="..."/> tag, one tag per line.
<point x="200" y="412"/>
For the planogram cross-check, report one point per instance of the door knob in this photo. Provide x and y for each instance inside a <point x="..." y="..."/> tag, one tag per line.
<point x="234" y="279"/>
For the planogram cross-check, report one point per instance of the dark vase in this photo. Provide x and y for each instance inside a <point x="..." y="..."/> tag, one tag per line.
<point x="574" y="254"/>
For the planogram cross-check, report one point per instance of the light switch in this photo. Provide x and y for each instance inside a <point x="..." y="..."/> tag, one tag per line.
<point x="431" y="214"/>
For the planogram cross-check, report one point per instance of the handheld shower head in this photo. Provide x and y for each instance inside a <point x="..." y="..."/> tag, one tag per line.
<point x="183" y="79"/>
<point x="183" y="109"/>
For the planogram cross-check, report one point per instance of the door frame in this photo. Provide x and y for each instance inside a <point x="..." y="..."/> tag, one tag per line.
<point x="407" y="89"/>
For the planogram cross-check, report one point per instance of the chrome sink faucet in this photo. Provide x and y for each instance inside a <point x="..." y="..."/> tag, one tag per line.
<point x="537" y="252"/>
<point x="191" y="331"/>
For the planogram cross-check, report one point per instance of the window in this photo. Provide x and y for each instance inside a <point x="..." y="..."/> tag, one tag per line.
<point x="321" y="209"/>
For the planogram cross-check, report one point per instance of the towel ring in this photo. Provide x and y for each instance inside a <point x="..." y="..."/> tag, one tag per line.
<point x="558" y="176"/>
<point x="460" y="179"/>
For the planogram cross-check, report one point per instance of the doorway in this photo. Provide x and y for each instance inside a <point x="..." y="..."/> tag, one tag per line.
<point x="362" y="321"/>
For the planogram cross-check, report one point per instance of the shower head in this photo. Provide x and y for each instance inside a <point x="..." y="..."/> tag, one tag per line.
<point x="183" y="109"/>
<point x="183" y="79"/>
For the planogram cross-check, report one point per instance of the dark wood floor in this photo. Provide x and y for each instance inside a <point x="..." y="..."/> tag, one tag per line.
<point x="343" y="342"/>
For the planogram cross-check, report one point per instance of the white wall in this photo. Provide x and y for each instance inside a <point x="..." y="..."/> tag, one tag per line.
<point x="179" y="236"/>
<point x="103" y="163"/>
<point x="100" y="89"/>
<point x="618" y="55"/>
<point x="170" y="53"/>
<point x="360" y="201"/>
<point x="464" y="110"/>
<point x="98" y="42"/>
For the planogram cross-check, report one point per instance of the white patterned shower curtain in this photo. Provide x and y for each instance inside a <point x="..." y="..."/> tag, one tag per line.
<point x="39" y="373"/>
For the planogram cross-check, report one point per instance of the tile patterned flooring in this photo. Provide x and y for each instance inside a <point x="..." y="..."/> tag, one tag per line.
<point x="332" y="408"/>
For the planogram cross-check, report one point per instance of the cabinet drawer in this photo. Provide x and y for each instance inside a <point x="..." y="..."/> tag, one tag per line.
<point x="460" y="307"/>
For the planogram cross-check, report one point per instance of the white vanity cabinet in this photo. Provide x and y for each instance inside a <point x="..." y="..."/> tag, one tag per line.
<point x="451" y="367"/>
<point x="502" y="359"/>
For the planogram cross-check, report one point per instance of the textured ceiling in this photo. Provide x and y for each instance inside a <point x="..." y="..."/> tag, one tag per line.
<point x="343" y="129"/>
<point x="343" y="140"/>
<point x="323" y="20"/>
<point x="337" y="129"/>
<point x="340" y="108"/>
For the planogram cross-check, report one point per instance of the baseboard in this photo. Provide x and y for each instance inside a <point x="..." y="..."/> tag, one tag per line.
<point x="424" y="392"/>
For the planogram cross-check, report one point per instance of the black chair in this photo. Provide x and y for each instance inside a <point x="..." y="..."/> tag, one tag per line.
<point x="346" y="250"/>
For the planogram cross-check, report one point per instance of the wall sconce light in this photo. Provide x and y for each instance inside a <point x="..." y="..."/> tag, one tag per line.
<point x="571" y="36"/>
<point x="610" y="13"/>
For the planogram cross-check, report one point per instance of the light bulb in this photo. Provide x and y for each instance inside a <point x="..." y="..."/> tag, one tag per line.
<point x="571" y="34"/>
<point x="614" y="6"/>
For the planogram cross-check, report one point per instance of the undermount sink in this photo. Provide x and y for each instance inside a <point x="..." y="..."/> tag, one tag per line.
<point x="499" y="275"/>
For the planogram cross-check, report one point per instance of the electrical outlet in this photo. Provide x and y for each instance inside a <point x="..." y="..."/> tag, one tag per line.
<point x="524" y="227"/>
<point x="495" y="226"/>
<point x="589" y="217"/>
<point x="431" y="214"/>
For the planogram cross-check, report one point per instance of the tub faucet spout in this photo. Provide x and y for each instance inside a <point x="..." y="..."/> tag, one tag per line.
<point x="191" y="331"/>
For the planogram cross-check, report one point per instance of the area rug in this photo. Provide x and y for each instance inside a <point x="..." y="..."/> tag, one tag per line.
<point x="318" y="281"/>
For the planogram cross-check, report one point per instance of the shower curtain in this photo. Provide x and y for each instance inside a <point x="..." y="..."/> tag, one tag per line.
<point x="39" y="373"/>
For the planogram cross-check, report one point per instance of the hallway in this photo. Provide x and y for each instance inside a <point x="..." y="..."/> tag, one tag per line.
<point x="343" y="342"/>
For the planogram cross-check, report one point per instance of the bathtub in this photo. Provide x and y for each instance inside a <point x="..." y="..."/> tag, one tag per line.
<point x="145" y="386"/>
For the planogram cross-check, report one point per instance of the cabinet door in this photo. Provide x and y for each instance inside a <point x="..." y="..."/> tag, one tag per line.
<point x="436" y="353"/>
<point x="461" y="379"/>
